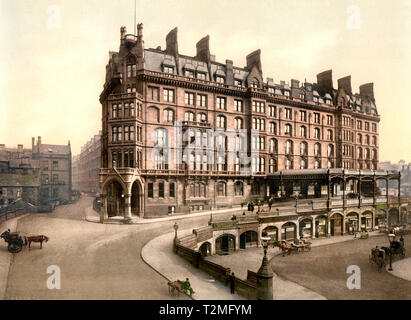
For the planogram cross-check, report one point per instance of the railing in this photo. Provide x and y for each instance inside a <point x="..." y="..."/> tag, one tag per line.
<point x="125" y="95"/>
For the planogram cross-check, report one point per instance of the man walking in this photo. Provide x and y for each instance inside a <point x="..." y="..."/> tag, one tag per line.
<point x="232" y="283"/>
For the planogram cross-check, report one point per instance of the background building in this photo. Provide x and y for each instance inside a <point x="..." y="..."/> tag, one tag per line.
<point x="300" y="126"/>
<point x="86" y="166"/>
<point x="40" y="175"/>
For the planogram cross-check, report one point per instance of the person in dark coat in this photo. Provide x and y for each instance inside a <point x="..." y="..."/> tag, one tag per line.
<point x="232" y="283"/>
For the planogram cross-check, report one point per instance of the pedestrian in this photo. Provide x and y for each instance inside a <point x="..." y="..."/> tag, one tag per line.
<point x="232" y="283"/>
<point x="187" y="287"/>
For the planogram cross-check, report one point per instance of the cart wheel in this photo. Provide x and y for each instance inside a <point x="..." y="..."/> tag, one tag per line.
<point x="14" y="248"/>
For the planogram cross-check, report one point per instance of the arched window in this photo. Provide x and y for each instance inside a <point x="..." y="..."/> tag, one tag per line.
<point x="189" y="116"/>
<point x="317" y="133"/>
<point x="289" y="147"/>
<point x="238" y="123"/>
<point x="367" y="139"/>
<point x="303" y="131"/>
<point x="374" y="140"/>
<point x="303" y="148"/>
<point x="367" y="154"/>
<point x="221" y="122"/>
<point x="202" y="117"/>
<point x="221" y="189"/>
<point x="330" y="135"/>
<point x="303" y="164"/>
<point x="273" y="146"/>
<point x="317" y="149"/>
<point x="238" y="188"/>
<point x="272" y="165"/>
<point x="153" y="114"/>
<point x="317" y="164"/>
<point x="330" y="150"/>
<point x="374" y="154"/>
<point x="161" y="137"/>
<point x="330" y="164"/>
<point x="288" y="129"/>
<point x="168" y="115"/>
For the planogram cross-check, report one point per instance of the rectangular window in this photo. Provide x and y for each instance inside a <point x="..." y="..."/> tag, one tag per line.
<point x="172" y="189"/>
<point x="114" y="111"/>
<point x="150" y="190"/>
<point x="329" y="120"/>
<point x="55" y="165"/>
<point x="359" y="124"/>
<point x="220" y="79"/>
<point x="374" y="127"/>
<point x="126" y="110"/>
<point x="168" y="69"/>
<point x="161" y="190"/>
<point x="303" y="116"/>
<point x="238" y="105"/>
<point x="221" y="103"/>
<point x="153" y="93"/>
<point x="201" y="75"/>
<point x="189" y="98"/>
<point x="132" y="110"/>
<point x="288" y="113"/>
<point x="126" y="133"/>
<point x="258" y="106"/>
<point x="316" y="117"/>
<point x="238" y="83"/>
<point x="168" y="95"/>
<point x="45" y="164"/>
<point x="202" y="100"/>
<point x="189" y="73"/>
<point x="367" y="126"/>
<point x="273" y="111"/>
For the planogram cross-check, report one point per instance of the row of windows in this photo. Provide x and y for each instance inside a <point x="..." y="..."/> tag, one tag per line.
<point x="129" y="134"/>
<point x="161" y="190"/>
<point x="360" y="165"/>
<point x="129" y="111"/>
<point x="348" y="123"/>
<point x="125" y="159"/>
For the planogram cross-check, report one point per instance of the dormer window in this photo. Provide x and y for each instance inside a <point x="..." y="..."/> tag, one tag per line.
<point x="238" y="83"/>
<point x="201" y="75"/>
<point x="168" y="69"/>
<point x="315" y="99"/>
<point x="302" y="96"/>
<point x="271" y="90"/>
<point x="220" y="79"/>
<point x="131" y="70"/>
<point x="286" y="93"/>
<point x="327" y="101"/>
<point x="189" y="73"/>
<point x="254" y="84"/>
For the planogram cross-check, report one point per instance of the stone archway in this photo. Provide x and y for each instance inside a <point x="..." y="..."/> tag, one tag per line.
<point x="393" y="217"/>
<point x="289" y="231"/>
<point x="205" y="249"/>
<point x="115" y="198"/>
<point x="321" y="226"/>
<point x="272" y="232"/>
<point x="336" y="224"/>
<point x="352" y="223"/>
<point x="248" y="239"/>
<point x="306" y="228"/>
<point x="366" y="220"/>
<point x="225" y="243"/>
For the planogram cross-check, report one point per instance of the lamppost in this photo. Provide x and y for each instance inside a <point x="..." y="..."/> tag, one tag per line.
<point x="391" y="238"/>
<point x="265" y="274"/>
<point x="175" y="236"/>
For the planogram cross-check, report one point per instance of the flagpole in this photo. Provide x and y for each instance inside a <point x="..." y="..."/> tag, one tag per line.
<point x="135" y="23"/>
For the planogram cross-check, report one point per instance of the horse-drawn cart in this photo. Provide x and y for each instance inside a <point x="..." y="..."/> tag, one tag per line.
<point x="176" y="287"/>
<point x="14" y="240"/>
<point x="378" y="256"/>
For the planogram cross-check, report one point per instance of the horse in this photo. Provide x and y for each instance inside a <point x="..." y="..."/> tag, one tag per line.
<point x="40" y="239"/>
<point x="285" y="247"/>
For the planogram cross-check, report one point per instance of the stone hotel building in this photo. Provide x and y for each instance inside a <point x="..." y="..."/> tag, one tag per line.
<point x="151" y="96"/>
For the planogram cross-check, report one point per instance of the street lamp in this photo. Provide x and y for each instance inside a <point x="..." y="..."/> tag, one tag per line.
<point x="391" y="238"/>
<point x="264" y="242"/>
<point x="175" y="236"/>
<point x="265" y="273"/>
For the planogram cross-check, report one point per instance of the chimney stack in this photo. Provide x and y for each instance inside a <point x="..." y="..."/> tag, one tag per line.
<point x="254" y="59"/>
<point x="229" y="72"/>
<point x="172" y="43"/>
<point x="345" y="83"/>
<point x="295" y="83"/>
<point x="33" y="143"/>
<point x="139" y="32"/>
<point x="367" y="90"/>
<point x="20" y="148"/>
<point x="325" y="82"/>
<point x="203" y="49"/>
<point x="39" y="141"/>
<point x="123" y="31"/>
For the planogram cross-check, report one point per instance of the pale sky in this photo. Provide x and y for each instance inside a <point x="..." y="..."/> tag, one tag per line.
<point x="52" y="69"/>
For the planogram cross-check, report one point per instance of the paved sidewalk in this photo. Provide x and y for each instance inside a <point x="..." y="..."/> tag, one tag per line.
<point x="93" y="216"/>
<point x="158" y="253"/>
<point x="5" y="256"/>
<point x="401" y="269"/>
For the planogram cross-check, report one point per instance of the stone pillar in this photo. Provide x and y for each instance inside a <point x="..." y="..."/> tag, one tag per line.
<point x="313" y="230"/>
<point x="127" y="208"/>
<point x="328" y="227"/>
<point x="265" y="280"/>
<point x="103" y="209"/>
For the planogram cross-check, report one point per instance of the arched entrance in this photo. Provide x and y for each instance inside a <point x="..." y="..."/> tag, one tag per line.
<point x="205" y="249"/>
<point x="289" y="231"/>
<point x="352" y="223"/>
<point x="336" y="222"/>
<point x="366" y="220"/>
<point x="380" y="219"/>
<point x="306" y="228"/>
<point x="393" y="217"/>
<point x="115" y="199"/>
<point x="248" y="239"/>
<point x="136" y="197"/>
<point x="225" y="243"/>
<point x="403" y="216"/>
<point x="272" y="232"/>
<point x="320" y="226"/>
